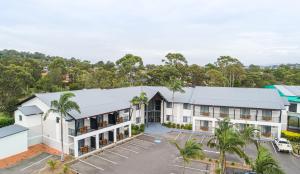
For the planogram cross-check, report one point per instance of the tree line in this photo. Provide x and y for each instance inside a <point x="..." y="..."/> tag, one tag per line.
<point x="25" y="73"/>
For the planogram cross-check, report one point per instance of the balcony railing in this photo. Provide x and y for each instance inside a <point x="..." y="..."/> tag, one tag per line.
<point x="266" y="134"/>
<point x="204" y="128"/>
<point x="223" y="115"/>
<point x="245" y="117"/>
<point x="205" y="113"/>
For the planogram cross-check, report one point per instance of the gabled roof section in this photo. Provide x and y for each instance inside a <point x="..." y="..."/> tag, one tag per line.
<point x="30" y="110"/>
<point x="10" y="130"/>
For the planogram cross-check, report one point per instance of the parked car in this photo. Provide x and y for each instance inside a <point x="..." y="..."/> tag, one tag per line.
<point x="283" y="145"/>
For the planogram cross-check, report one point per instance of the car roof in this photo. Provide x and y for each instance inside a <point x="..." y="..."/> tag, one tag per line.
<point x="282" y="139"/>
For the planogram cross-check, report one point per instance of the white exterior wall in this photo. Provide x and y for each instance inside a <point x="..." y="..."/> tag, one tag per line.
<point x="137" y="113"/>
<point x="43" y="131"/>
<point x="13" y="144"/>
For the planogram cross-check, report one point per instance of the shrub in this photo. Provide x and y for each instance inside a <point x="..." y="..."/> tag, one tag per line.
<point x="142" y="128"/>
<point x="209" y="159"/>
<point x="52" y="164"/>
<point x="5" y="120"/>
<point x="292" y="136"/>
<point x="232" y="163"/>
<point x="66" y="169"/>
<point x="178" y="126"/>
<point x="188" y="127"/>
<point x="173" y="125"/>
<point x="182" y="126"/>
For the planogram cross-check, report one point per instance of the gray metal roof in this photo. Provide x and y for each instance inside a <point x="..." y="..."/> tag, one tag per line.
<point x="289" y="90"/>
<point x="10" y="130"/>
<point x="30" y="110"/>
<point x="98" y="101"/>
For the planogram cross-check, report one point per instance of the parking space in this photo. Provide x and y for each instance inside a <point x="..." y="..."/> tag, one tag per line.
<point x="31" y="165"/>
<point x="143" y="154"/>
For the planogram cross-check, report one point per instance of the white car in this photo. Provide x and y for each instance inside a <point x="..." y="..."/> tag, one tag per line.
<point x="283" y="145"/>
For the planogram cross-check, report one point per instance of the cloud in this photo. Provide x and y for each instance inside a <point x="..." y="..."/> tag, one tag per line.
<point x="259" y="32"/>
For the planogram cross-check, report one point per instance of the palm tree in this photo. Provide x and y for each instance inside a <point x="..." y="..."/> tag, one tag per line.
<point x="227" y="140"/>
<point x="62" y="107"/>
<point x="265" y="163"/>
<point x="140" y="100"/>
<point x="190" y="150"/>
<point x="175" y="85"/>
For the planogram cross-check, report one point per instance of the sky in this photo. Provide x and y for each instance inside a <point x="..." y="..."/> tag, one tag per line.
<point x="263" y="32"/>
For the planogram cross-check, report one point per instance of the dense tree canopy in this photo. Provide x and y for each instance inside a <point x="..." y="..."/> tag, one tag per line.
<point x="24" y="73"/>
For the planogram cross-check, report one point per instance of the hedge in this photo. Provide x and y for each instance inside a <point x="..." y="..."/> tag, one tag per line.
<point x="136" y="129"/>
<point x="5" y="121"/>
<point x="178" y="126"/>
<point x="292" y="136"/>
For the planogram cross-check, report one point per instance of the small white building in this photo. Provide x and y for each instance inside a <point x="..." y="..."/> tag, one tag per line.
<point x="13" y="140"/>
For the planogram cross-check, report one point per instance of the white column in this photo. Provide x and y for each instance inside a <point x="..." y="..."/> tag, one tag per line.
<point x="279" y="131"/>
<point x="213" y="124"/>
<point x="115" y="135"/>
<point x="75" y="148"/>
<point x="129" y="130"/>
<point x="193" y="124"/>
<point x="97" y="141"/>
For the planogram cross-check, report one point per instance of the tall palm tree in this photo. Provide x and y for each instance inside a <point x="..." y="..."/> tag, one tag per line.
<point x="140" y="100"/>
<point x="227" y="140"/>
<point x="62" y="107"/>
<point x="265" y="163"/>
<point x="175" y="85"/>
<point x="190" y="150"/>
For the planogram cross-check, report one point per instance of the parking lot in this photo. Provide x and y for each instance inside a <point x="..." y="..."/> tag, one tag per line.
<point x="143" y="154"/>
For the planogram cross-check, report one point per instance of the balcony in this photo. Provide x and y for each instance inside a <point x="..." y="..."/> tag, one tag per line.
<point x="223" y="115"/>
<point x="204" y="128"/>
<point x="266" y="134"/>
<point x="245" y="117"/>
<point x="266" y="118"/>
<point x="205" y="114"/>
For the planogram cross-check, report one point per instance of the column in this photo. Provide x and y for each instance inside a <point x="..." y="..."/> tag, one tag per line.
<point x="213" y="124"/>
<point x="97" y="141"/>
<point x="129" y="130"/>
<point x="279" y="131"/>
<point x="115" y="135"/>
<point x="75" y="148"/>
<point x="193" y="124"/>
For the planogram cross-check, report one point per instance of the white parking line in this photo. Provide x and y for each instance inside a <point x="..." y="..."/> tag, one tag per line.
<point x="210" y="151"/>
<point x="149" y="135"/>
<point x="127" y="149"/>
<point x="105" y="159"/>
<point x="178" y="136"/>
<point x="137" y="145"/>
<point x="99" y="168"/>
<point x="36" y="163"/>
<point x="190" y="136"/>
<point x="116" y="153"/>
<point x="144" y="141"/>
<point x="73" y="170"/>
<point x="191" y="168"/>
<point x="203" y="137"/>
<point x="274" y="147"/>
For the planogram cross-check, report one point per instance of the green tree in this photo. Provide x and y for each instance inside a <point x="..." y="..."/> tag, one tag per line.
<point x="140" y="101"/>
<point x="265" y="163"/>
<point x="215" y="78"/>
<point x="227" y="140"/>
<point x="190" y="150"/>
<point x="62" y="107"/>
<point x="175" y="85"/>
<point x="128" y="66"/>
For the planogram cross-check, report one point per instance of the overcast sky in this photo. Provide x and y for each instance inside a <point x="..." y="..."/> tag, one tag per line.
<point x="257" y="31"/>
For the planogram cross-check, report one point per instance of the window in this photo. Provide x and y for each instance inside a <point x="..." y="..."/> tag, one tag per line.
<point x="204" y="109"/>
<point x="267" y="113"/>
<point x="137" y="107"/>
<point x="57" y="119"/>
<point x="169" y="118"/>
<point x="186" y="106"/>
<point x="186" y="119"/>
<point x="224" y="111"/>
<point x="169" y="105"/>
<point x="293" y="107"/>
<point x="245" y="113"/>
<point x="138" y="120"/>
<point x="20" y="117"/>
